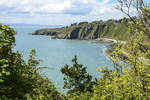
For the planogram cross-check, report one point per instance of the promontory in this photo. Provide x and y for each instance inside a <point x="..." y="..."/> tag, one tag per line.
<point x="112" y="29"/>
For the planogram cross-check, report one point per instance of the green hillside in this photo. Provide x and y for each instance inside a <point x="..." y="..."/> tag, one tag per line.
<point x="115" y="29"/>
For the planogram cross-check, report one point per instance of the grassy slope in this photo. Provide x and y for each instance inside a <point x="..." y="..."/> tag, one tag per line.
<point x="108" y="29"/>
<point x="116" y="31"/>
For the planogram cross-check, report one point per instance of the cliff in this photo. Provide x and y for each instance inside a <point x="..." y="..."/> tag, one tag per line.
<point x="115" y="29"/>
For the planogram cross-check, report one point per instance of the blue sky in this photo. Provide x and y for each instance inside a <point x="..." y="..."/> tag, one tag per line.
<point x="57" y="12"/>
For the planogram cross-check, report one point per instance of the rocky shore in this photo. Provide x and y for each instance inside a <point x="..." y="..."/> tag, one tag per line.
<point x="107" y="40"/>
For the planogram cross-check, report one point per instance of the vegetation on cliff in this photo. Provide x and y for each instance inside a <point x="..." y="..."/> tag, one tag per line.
<point x="115" y="29"/>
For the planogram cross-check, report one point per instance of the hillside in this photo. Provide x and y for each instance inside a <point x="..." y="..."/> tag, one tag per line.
<point x="115" y="29"/>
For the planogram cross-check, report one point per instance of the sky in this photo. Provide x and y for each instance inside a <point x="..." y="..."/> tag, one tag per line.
<point x="57" y="12"/>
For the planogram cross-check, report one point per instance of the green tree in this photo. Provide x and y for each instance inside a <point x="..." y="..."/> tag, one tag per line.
<point x="76" y="77"/>
<point x="20" y="80"/>
<point x="132" y="81"/>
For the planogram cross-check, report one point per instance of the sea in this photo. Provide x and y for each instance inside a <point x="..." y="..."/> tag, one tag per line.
<point x="56" y="53"/>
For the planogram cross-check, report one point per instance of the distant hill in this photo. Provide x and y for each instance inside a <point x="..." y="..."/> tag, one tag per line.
<point x="115" y="29"/>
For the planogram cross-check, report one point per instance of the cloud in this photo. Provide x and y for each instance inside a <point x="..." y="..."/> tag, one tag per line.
<point x="73" y="7"/>
<point x="78" y="8"/>
<point x="62" y="10"/>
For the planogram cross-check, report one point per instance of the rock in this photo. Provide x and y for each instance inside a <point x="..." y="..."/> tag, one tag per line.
<point x="53" y="37"/>
<point x="74" y="34"/>
<point x="107" y="40"/>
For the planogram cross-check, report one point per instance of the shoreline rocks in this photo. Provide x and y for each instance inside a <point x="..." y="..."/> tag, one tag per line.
<point x="106" y="40"/>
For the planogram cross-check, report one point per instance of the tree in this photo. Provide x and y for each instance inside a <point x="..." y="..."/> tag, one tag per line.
<point x="76" y="77"/>
<point x="129" y="81"/>
<point x="20" y="80"/>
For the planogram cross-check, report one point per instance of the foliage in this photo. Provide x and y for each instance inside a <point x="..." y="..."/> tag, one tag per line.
<point x="76" y="77"/>
<point x="78" y="81"/>
<point x="20" y="80"/>
<point x="132" y="81"/>
<point x="78" y="95"/>
<point x="6" y="43"/>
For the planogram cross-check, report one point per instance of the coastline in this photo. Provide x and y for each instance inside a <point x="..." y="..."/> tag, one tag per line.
<point x="107" y="40"/>
<point x="107" y="51"/>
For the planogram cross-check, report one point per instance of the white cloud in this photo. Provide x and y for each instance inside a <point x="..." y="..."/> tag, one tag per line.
<point x="56" y="6"/>
<point x="66" y="9"/>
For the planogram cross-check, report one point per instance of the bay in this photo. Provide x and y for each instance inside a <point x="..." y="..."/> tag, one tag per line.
<point x="56" y="53"/>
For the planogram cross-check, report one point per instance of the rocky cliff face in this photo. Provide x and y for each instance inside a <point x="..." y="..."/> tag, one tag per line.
<point x="84" y="30"/>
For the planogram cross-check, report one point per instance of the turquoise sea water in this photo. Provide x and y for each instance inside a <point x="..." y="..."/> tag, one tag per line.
<point x="56" y="53"/>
